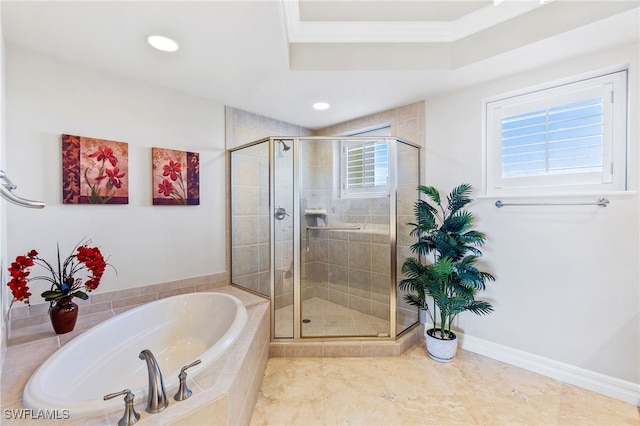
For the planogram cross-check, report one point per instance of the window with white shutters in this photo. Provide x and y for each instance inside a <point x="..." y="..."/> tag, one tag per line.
<point x="367" y="165"/>
<point x="364" y="167"/>
<point x="564" y="138"/>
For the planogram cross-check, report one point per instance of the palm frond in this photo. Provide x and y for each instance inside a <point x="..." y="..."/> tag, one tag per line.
<point x="486" y="276"/>
<point x="475" y="238"/>
<point x="423" y="247"/>
<point x="458" y="222"/>
<point x="413" y="268"/>
<point x="425" y="215"/>
<point x="480" y="307"/>
<point x="412" y="300"/>
<point x="431" y="192"/>
<point x="458" y="304"/>
<point x="458" y="198"/>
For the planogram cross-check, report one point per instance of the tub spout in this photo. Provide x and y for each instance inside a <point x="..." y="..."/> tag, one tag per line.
<point x="156" y="399"/>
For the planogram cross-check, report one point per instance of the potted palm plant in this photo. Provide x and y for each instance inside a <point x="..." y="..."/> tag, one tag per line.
<point x="446" y="285"/>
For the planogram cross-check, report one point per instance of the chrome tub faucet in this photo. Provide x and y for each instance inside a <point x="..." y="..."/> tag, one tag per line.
<point x="156" y="399"/>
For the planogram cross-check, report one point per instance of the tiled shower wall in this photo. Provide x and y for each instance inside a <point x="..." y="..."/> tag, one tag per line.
<point x="250" y="247"/>
<point x="406" y="122"/>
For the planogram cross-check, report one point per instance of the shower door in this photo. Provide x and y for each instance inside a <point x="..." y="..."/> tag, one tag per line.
<point x="345" y="273"/>
<point x="250" y="243"/>
<point x="319" y="225"/>
<point x="283" y="221"/>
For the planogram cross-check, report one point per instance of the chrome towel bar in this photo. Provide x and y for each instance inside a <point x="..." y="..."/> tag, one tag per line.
<point x="6" y="190"/>
<point x="602" y="202"/>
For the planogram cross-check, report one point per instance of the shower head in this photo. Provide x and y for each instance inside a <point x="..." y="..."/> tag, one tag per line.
<point x="285" y="147"/>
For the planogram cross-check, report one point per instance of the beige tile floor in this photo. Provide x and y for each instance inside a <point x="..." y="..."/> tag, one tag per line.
<point x="329" y="319"/>
<point x="414" y="390"/>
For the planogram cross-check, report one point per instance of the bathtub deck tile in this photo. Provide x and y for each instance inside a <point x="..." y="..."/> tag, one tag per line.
<point x="12" y="385"/>
<point x="134" y="301"/>
<point x="115" y="295"/>
<point x="209" y="287"/>
<point x="208" y="414"/>
<point x="87" y="308"/>
<point x="29" y="321"/>
<point x="219" y="279"/>
<point x="238" y="354"/>
<point x="30" y="354"/>
<point x="208" y="378"/>
<point x="224" y="277"/>
<point x="18" y="310"/>
<point x="164" y="287"/>
<point x="176" y="291"/>
<point x="124" y="309"/>
<point x="25" y="335"/>
<point x="96" y="421"/>
<point x="224" y="382"/>
<point x="247" y="298"/>
<point x="39" y="309"/>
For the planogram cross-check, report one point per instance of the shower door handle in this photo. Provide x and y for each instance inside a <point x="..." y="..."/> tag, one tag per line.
<point x="280" y="213"/>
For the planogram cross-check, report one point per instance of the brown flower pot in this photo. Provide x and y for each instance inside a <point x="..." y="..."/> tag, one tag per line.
<point x="63" y="315"/>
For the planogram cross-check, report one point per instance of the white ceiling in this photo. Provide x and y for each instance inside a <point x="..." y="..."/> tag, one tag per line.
<point x="388" y="10"/>
<point x="276" y="58"/>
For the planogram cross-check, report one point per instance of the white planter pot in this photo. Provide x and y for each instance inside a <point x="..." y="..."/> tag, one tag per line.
<point x="439" y="349"/>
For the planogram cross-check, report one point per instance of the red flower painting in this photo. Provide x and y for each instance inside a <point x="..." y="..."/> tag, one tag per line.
<point x="95" y="171"/>
<point x="176" y="177"/>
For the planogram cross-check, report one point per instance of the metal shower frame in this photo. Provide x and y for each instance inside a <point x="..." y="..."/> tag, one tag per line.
<point x="297" y="234"/>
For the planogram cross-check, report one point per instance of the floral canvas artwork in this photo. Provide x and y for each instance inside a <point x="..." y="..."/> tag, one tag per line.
<point x="176" y="177"/>
<point x="94" y="171"/>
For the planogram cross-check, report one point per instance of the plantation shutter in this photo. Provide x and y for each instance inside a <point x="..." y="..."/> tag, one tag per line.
<point x="367" y="165"/>
<point x="561" y="139"/>
<point x="566" y="138"/>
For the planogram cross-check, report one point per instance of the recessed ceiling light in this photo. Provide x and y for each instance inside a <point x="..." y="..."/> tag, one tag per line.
<point x="162" y="43"/>
<point x="321" y="106"/>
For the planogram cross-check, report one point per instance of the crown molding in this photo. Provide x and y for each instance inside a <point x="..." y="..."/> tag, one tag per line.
<point x="398" y="32"/>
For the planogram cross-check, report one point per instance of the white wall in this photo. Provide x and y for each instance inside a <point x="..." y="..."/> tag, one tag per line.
<point x="4" y="302"/>
<point x="567" y="277"/>
<point x="148" y="244"/>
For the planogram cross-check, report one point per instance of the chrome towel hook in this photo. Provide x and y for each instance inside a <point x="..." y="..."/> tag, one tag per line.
<point x="6" y="190"/>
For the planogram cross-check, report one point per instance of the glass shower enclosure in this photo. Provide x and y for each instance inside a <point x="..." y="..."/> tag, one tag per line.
<point x="319" y="226"/>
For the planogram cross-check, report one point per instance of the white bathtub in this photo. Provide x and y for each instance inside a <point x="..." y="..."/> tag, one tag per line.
<point x="104" y="359"/>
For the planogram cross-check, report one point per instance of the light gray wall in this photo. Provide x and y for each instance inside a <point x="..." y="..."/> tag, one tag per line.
<point x="4" y="297"/>
<point x="567" y="277"/>
<point x="147" y="244"/>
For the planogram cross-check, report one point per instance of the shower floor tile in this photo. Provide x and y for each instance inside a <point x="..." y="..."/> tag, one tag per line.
<point x="328" y="319"/>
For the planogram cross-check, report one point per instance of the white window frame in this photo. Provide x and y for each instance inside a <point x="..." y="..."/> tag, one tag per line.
<point x="383" y="131"/>
<point x="612" y="86"/>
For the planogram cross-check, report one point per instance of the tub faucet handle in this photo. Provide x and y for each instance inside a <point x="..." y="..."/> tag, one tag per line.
<point x="130" y="416"/>
<point x="184" y="392"/>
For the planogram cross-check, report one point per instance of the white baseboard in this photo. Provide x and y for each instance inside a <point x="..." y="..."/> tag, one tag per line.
<point x="606" y="385"/>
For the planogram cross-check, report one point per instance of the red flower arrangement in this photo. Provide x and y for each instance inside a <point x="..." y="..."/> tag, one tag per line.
<point x="64" y="281"/>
